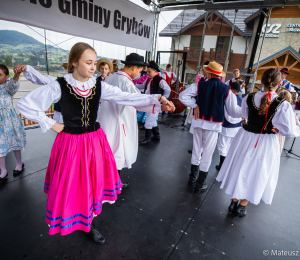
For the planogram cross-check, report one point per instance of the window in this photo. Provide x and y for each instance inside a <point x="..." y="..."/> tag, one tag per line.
<point x="223" y="43"/>
<point x="196" y="41"/>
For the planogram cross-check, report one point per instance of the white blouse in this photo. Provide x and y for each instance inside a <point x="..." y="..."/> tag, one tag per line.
<point x="284" y="118"/>
<point x="35" y="103"/>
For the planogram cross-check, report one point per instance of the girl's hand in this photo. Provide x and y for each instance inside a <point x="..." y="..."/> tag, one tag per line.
<point x="168" y="106"/>
<point x="275" y="130"/>
<point x="58" y="127"/>
<point x="162" y="99"/>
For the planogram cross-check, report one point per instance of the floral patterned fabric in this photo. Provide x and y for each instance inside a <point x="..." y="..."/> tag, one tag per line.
<point x="12" y="134"/>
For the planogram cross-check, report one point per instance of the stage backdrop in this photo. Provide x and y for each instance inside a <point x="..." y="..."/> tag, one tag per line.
<point x="115" y="21"/>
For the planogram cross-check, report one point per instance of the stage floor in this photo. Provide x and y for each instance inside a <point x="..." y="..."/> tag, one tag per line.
<point x="158" y="217"/>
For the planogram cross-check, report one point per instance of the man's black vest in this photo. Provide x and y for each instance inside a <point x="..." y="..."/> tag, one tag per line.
<point x="256" y="122"/>
<point x="154" y="85"/>
<point x="79" y="113"/>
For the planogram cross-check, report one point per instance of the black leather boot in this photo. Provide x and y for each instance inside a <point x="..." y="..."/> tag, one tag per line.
<point x="193" y="174"/>
<point x="240" y="211"/>
<point x="156" y="135"/>
<point x="96" y="235"/>
<point x="147" y="138"/>
<point x="142" y="127"/>
<point x="125" y="184"/>
<point x="222" y="158"/>
<point x="232" y="207"/>
<point x="200" y="184"/>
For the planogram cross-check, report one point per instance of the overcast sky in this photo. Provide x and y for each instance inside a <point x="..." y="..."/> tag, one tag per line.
<point x="103" y="49"/>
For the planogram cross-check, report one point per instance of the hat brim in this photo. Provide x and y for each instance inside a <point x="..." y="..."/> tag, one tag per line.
<point x="110" y="65"/>
<point x="155" y="68"/>
<point x="223" y="74"/>
<point x="135" y="63"/>
<point x="284" y="72"/>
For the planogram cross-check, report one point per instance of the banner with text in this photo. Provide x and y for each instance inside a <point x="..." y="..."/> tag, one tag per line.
<point x="115" y="21"/>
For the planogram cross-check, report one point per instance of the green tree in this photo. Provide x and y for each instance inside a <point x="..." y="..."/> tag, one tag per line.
<point x="8" y="61"/>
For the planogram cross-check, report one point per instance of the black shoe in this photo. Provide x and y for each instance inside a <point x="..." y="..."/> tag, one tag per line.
<point x="96" y="235"/>
<point x="200" y="184"/>
<point x="156" y="135"/>
<point x="125" y="185"/>
<point x="193" y="174"/>
<point x="240" y="211"/>
<point x="222" y="158"/>
<point x="232" y="207"/>
<point x="16" y="172"/>
<point x="4" y="178"/>
<point x="147" y="138"/>
<point x="190" y="151"/>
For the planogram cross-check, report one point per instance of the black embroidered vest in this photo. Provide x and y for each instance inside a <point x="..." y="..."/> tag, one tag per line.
<point x="154" y="85"/>
<point x="255" y="121"/>
<point x="79" y="113"/>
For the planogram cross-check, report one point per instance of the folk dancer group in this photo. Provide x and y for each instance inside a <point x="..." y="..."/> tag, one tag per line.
<point x="86" y="159"/>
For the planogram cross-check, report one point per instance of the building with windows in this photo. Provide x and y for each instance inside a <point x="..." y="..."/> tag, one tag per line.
<point x="282" y="31"/>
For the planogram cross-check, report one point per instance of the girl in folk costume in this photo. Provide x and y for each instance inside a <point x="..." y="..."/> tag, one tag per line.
<point x="123" y="140"/>
<point x="37" y="78"/>
<point x="169" y="76"/>
<point x="288" y="97"/>
<point x="203" y="75"/>
<point x="82" y="172"/>
<point x="250" y="170"/>
<point x="155" y="84"/>
<point x="230" y="127"/>
<point x="12" y="134"/>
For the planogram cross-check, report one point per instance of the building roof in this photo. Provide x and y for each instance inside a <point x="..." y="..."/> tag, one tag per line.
<point x="271" y="57"/>
<point x="187" y="17"/>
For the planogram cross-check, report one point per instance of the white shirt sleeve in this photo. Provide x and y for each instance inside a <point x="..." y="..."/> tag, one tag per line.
<point x="284" y="120"/>
<point x="232" y="107"/>
<point x="36" y="77"/>
<point x="231" y="119"/>
<point x="164" y="85"/>
<point x="141" y="86"/>
<point x="187" y="97"/>
<point x="36" y="102"/>
<point x="175" y="77"/>
<point x="115" y="95"/>
<point x="163" y="75"/>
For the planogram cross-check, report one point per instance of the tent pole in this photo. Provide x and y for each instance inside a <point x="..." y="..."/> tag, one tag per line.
<point x="229" y="47"/>
<point x="257" y="64"/>
<point x="203" y="35"/>
<point x="155" y="32"/>
<point x="46" y="52"/>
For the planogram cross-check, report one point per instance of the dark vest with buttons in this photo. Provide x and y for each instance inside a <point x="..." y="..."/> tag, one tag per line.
<point x="256" y="122"/>
<point x="154" y="85"/>
<point x="211" y="99"/>
<point x="227" y="124"/>
<point x="79" y="113"/>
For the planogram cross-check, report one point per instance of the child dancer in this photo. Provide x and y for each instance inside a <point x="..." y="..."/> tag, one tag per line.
<point x="82" y="172"/>
<point x="230" y="127"/>
<point x="12" y="134"/>
<point x="155" y="84"/>
<point x="105" y="67"/>
<point x="250" y="170"/>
